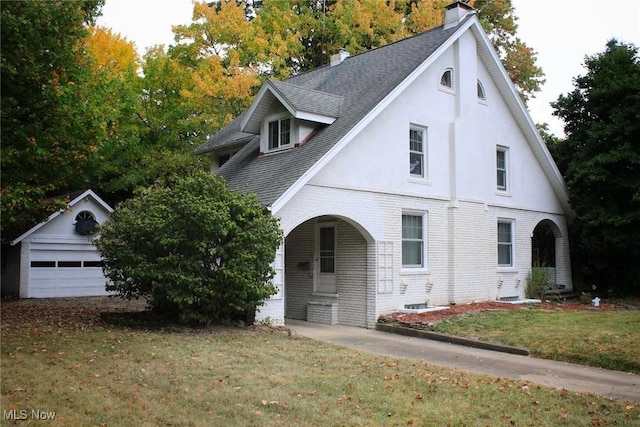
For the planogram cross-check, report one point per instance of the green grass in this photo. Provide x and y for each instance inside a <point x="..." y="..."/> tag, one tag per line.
<point x="90" y="373"/>
<point x="605" y="339"/>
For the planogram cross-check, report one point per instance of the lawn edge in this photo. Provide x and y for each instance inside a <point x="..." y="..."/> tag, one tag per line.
<point x="451" y="339"/>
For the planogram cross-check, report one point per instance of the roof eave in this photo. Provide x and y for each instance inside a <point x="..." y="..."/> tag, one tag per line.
<point x="314" y="117"/>
<point x="226" y="146"/>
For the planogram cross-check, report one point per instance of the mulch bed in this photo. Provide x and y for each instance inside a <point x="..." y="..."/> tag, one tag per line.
<point x="427" y="319"/>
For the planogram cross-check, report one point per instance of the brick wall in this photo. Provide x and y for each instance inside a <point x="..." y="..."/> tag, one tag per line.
<point x="352" y="275"/>
<point x="461" y="246"/>
<point x="299" y="270"/>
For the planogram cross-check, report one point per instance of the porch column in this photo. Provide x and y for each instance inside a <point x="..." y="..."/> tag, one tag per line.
<point x="372" y="283"/>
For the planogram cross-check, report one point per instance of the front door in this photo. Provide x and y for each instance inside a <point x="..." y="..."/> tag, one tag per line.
<point x="326" y="256"/>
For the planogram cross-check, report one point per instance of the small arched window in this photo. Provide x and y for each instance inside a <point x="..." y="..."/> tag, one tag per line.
<point x="446" y="80"/>
<point x="481" y="94"/>
<point x="85" y="223"/>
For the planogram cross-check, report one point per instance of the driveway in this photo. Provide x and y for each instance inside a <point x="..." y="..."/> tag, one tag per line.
<point x="611" y="384"/>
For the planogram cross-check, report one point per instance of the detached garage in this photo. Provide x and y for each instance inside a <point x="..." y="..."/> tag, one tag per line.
<point x="57" y="257"/>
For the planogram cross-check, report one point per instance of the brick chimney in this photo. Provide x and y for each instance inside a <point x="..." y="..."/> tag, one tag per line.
<point x="455" y="12"/>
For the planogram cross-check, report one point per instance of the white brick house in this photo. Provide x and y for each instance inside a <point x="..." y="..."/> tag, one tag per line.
<point x="408" y="174"/>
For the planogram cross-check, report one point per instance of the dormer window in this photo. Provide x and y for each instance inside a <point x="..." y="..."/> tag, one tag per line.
<point x="446" y="80"/>
<point x="279" y="133"/>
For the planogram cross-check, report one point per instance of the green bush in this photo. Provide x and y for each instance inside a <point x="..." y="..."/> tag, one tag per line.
<point x="196" y="250"/>
<point x="538" y="282"/>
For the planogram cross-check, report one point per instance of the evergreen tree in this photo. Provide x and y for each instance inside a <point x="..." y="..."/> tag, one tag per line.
<point x="600" y="160"/>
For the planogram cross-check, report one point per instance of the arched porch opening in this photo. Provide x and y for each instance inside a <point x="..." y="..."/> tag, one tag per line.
<point x="328" y="275"/>
<point x="545" y="247"/>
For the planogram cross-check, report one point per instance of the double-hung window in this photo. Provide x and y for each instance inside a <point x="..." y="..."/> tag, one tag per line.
<point x="279" y="133"/>
<point x="417" y="150"/>
<point x="502" y="159"/>
<point x="412" y="241"/>
<point x="505" y="243"/>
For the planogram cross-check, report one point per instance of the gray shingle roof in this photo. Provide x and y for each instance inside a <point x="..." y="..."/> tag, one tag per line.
<point x="228" y="136"/>
<point x="310" y="100"/>
<point x="362" y="81"/>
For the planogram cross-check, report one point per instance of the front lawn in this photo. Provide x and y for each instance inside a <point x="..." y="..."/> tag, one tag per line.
<point x="606" y="339"/>
<point x="68" y="361"/>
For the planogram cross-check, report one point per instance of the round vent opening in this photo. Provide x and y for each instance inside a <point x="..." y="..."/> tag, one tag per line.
<point x="85" y="223"/>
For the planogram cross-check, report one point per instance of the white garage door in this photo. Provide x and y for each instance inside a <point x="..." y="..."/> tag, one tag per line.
<point x="65" y="270"/>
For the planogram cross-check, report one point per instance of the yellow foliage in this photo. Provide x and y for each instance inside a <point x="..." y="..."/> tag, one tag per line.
<point x="426" y="15"/>
<point x="367" y="24"/>
<point x="111" y="52"/>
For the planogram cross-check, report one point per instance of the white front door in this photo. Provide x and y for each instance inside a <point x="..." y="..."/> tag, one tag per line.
<point x="326" y="256"/>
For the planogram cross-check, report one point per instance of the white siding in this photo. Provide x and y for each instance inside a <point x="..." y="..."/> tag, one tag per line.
<point x="70" y="258"/>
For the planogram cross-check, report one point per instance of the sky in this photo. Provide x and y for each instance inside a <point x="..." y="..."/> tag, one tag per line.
<point x="562" y="32"/>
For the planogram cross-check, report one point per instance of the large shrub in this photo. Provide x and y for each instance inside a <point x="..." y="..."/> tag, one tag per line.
<point x="195" y="249"/>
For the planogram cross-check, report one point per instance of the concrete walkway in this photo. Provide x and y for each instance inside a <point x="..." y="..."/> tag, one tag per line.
<point x="611" y="384"/>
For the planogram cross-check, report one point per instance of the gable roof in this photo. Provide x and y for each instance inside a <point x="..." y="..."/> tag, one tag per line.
<point x="362" y="81"/>
<point x="301" y="102"/>
<point x="366" y="83"/>
<point x="75" y="199"/>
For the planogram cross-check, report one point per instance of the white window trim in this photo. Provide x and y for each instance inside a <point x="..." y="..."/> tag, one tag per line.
<point x="507" y="161"/>
<point x="412" y="269"/>
<point x="512" y="223"/>
<point x="424" y="178"/>
<point x="444" y="88"/>
<point x="264" y="136"/>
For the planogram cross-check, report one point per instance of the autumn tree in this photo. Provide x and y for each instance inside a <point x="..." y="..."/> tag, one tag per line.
<point x="600" y="160"/>
<point x="287" y="26"/>
<point x="219" y="54"/>
<point x="50" y="123"/>
<point x="322" y="28"/>
<point x="423" y="15"/>
<point x="499" y="21"/>
<point x="113" y="169"/>
<point x="365" y="25"/>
